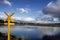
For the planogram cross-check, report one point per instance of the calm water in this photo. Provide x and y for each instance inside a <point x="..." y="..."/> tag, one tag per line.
<point x="31" y="32"/>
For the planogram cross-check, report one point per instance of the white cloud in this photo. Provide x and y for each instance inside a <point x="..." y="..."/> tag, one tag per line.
<point x="53" y="8"/>
<point x="50" y="3"/>
<point x="40" y="14"/>
<point x="23" y="10"/>
<point x="47" y="17"/>
<point x="24" y="18"/>
<point x="56" y="19"/>
<point x="6" y="2"/>
<point x="1" y="15"/>
<point x="50" y="12"/>
<point x="28" y="19"/>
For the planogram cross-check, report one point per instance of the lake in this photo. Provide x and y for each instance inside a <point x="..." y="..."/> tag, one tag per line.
<point x="31" y="32"/>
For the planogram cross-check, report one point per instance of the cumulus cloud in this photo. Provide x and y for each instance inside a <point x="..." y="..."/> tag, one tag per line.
<point x="6" y="2"/>
<point x="47" y="18"/>
<point x="28" y="19"/>
<point x="24" y="18"/>
<point x="23" y="10"/>
<point x="53" y="8"/>
<point x="2" y="15"/>
<point x="56" y="19"/>
<point x="51" y="12"/>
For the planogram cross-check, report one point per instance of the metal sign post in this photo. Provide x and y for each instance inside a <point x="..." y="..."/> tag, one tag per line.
<point x="9" y="20"/>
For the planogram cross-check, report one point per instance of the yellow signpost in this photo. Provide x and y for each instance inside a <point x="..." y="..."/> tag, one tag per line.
<point x="9" y="20"/>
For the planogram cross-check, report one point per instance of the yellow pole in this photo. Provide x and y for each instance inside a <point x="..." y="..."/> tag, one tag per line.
<point x="8" y="28"/>
<point x="9" y="18"/>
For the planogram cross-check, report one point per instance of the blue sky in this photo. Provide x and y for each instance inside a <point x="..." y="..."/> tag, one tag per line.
<point x="24" y="8"/>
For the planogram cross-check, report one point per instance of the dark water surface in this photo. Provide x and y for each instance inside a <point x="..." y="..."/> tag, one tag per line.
<point x="31" y="32"/>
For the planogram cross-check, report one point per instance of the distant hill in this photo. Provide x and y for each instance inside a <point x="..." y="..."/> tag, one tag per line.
<point x="20" y="22"/>
<point x="1" y="22"/>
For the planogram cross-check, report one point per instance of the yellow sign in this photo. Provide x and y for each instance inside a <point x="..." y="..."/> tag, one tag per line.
<point x="8" y="21"/>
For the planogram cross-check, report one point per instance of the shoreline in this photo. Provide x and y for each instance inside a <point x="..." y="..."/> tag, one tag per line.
<point x="3" y="36"/>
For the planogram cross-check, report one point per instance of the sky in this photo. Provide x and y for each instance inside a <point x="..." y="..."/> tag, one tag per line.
<point x="32" y="9"/>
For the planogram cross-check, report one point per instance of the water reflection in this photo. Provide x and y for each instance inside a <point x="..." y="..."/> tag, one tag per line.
<point x="31" y="31"/>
